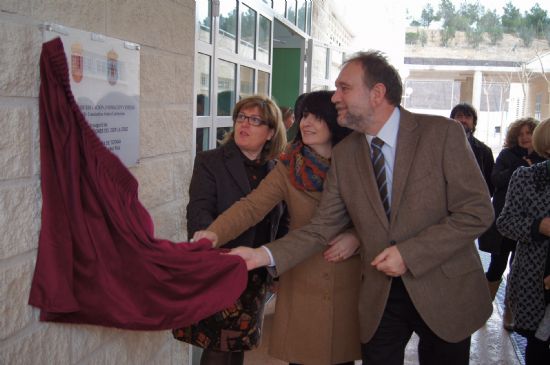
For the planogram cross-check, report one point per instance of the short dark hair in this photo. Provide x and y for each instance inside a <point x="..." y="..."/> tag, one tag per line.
<point x="318" y="103"/>
<point x="377" y="69"/>
<point x="298" y="107"/>
<point x="466" y="109"/>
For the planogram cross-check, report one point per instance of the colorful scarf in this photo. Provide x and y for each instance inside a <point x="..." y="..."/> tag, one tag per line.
<point x="308" y="169"/>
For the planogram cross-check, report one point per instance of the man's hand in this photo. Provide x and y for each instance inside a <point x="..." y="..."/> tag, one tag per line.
<point x="547" y="282"/>
<point x="390" y="262"/>
<point x="544" y="226"/>
<point x="254" y="257"/>
<point x="209" y="235"/>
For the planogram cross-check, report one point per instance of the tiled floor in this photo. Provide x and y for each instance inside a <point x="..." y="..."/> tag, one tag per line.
<point x="491" y="345"/>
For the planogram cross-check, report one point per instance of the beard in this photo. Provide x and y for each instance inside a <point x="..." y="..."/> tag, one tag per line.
<point x="349" y="120"/>
<point x="468" y="130"/>
<point x="353" y="121"/>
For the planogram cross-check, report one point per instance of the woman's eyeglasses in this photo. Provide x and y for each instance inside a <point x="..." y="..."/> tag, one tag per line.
<point x="252" y="119"/>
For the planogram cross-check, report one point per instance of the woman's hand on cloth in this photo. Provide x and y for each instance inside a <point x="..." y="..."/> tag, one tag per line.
<point x="342" y="247"/>
<point x="209" y="235"/>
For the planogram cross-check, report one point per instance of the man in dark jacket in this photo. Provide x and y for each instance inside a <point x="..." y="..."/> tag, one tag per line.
<point x="467" y="116"/>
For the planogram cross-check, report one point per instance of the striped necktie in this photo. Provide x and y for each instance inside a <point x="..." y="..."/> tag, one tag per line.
<point x="379" y="166"/>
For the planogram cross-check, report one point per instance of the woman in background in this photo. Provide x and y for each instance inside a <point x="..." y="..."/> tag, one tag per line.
<point x="526" y="219"/>
<point x="220" y="178"/>
<point x="518" y="151"/>
<point x="316" y="316"/>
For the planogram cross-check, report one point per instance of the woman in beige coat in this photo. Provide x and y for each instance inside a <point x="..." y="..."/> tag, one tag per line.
<point x="315" y="319"/>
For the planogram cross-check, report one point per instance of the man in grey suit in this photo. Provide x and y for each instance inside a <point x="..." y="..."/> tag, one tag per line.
<point x="417" y="210"/>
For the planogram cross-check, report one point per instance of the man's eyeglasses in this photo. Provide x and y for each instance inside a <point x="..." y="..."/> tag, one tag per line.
<point x="252" y="120"/>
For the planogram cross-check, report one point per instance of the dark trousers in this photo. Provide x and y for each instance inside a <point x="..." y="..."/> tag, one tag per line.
<point x="499" y="261"/>
<point x="344" y="363"/>
<point x="399" y="321"/>
<point x="537" y="351"/>
<point x="214" y="357"/>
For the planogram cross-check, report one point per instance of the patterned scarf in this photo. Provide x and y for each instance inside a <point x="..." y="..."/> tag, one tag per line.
<point x="308" y="169"/>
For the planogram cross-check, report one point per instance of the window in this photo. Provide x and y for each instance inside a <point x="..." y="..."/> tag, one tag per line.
<point x="436" y="94"/>
<point x="291" y="11"/>
<point x="228" y="25"/>
<point x="247" y="82"/>
<point x="494" y="96"/>
<point x="203" y="139"/>
<point x="301" y="20"/>
<point x="264" y="40"/>
<point x="320" y="61"/>
<point x="203" y="87"/>
<point x="233" y="61"/>
<point x="226" y="87"/>
<point x="248" y="32"/>
<point x="263" y="83"/>
<point x="280" y="7"/>
<point x="204" y="18"/>
<point x="538" y="106"/>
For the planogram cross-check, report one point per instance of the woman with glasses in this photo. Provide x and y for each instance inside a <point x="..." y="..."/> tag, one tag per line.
<point x="220" y="178"/>
<point x="316" y="316"/>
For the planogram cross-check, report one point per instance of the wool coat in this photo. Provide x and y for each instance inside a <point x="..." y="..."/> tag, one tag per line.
<point x="485" y="160"/>
<point x="219" y="180"/>
<point x="508" y="160"/>
<point x="316" y="317"/>
<point x="527" y="202"/>
<point x="440" y="205"/>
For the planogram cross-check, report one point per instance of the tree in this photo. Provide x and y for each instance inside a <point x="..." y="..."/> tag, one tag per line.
<point x="511" y="19"/>
<point x="470" y="13"/>
<point x="537" y="20"/>
<point x="527" y="35"/>
<point x="448" y="14"/>
<point x="424" y="37"/>
<point x="428" y="15"/>
<point x="474" y="35"/>
<point x="490" y="23"/>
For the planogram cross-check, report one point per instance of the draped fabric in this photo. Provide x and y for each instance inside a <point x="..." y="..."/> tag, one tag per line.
<point x="98" y="261"/>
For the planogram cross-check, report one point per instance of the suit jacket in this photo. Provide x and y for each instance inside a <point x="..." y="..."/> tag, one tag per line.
<point x="485" y="160"/>
<point x="219" y="180"/>
<point x="440" y="204"/>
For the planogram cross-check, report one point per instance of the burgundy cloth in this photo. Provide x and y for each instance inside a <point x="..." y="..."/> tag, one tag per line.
<point x="98" y="261"/>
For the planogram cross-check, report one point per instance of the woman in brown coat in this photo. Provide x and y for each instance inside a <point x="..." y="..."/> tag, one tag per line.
<point x="315" y="319"/>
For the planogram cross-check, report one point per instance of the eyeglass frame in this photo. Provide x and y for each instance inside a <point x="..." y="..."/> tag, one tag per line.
<point x="252" y="120"/>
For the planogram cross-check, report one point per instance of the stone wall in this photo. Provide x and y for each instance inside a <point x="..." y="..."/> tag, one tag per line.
<point x="165" y="30"/>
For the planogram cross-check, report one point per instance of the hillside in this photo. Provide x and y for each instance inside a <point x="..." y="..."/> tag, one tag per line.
<point x="510" y="48"/>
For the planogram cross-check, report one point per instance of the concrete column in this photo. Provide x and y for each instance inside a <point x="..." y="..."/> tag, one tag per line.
<point x="476" y="89"/>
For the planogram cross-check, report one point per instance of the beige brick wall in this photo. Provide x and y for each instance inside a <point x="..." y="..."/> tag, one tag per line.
<point x="165" y="30"/>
